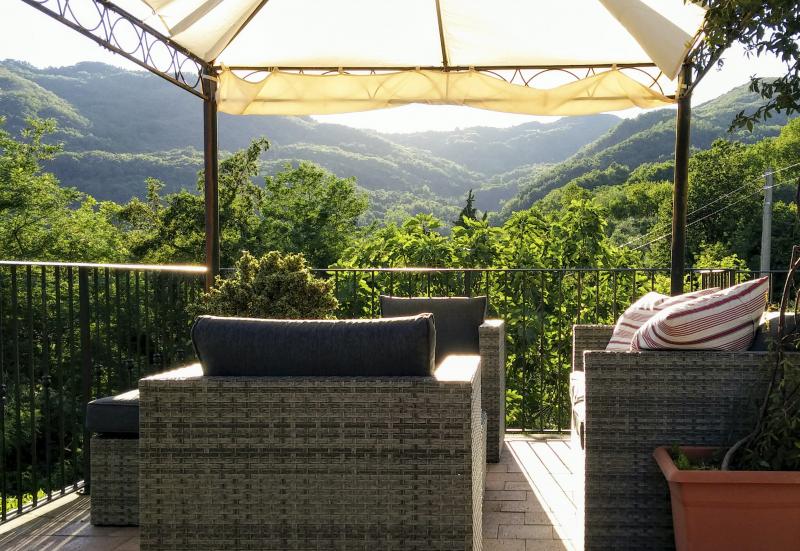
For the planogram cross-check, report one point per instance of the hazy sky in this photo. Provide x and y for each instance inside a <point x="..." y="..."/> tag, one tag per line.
<point x="27" y="34"/>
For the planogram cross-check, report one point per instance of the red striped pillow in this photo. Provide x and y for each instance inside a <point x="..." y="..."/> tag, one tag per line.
<point x="641" y="311"/>
<point x="725" y="320"/>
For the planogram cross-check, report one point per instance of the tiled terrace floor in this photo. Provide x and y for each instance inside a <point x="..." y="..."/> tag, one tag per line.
<point x="530" y="505"/>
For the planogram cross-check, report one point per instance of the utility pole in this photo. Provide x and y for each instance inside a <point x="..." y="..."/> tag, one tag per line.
<point x="766" y="224"/>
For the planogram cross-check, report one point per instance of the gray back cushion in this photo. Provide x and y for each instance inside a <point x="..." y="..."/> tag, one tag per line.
<point x="767" y="331"/>
<point x="457" y="320"/>
<point x="280" y="348"/>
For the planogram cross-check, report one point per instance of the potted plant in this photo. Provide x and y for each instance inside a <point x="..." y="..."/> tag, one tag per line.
<point x="746" y="496"/>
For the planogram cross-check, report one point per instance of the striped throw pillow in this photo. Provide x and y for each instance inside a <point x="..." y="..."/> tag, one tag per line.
<point x="641" y="311"/>
<point x="725" y="320"/>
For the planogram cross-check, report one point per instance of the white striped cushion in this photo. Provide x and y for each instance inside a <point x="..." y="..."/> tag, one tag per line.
<point x="642" y="310"/>
<point x="725" y="320"/>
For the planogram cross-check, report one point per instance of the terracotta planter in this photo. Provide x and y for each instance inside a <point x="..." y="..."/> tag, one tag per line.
<point x="732" y="510"/>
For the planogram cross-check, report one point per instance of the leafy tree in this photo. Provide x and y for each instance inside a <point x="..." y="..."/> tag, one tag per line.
<point x="310" y="210"/>
<point x="304" y="209"/>
<point x="724" y="202"/>
<point x="40" y="219"/>
<point x="277" y="285"/>
<point x="715" y="255"/>
<point x="476" y="244"/>
<point x="171" y="229"/>
<point x="469" y="212"/>
<point x="762" y="27"/>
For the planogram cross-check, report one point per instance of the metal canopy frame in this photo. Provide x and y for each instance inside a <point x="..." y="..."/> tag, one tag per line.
<point x="198" y="77"/>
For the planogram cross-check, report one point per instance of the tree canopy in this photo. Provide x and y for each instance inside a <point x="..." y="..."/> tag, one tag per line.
<point x="761" y="27"/>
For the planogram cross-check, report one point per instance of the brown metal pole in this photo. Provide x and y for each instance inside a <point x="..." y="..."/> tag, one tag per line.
<point x="211" y="157"/>
<point x="680" y="192"/>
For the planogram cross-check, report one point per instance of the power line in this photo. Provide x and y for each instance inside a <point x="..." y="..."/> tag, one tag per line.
<point x="705" y="206"/>
<point x="709" y="215"/>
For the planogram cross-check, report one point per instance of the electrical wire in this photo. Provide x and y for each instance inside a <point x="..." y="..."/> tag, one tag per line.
<point x="709" y="215"/>
<point x="705" y="206"/>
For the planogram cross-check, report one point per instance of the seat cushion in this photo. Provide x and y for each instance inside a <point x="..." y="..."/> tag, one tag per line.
<point x="767" y="332"/>
<point x="577" y="387"/>
<point x="638" y="313"/>
<point x="114" y="414"/>
<point x="329" y="348"/>
<point x="457" y="320"/>
<point x="725" y="320"/>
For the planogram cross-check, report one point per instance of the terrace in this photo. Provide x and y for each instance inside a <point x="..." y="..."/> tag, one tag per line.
<point x="71" y="333"/>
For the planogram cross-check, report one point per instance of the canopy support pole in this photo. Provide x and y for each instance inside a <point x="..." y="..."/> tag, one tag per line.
<point x="211" y="173"/>
<point x="680" y="192"/>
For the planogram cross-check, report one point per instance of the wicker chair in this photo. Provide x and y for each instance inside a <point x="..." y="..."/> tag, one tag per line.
<point x="636" y="401"/>
<point x="462" y="328"/>
<point x="312" y="462"/>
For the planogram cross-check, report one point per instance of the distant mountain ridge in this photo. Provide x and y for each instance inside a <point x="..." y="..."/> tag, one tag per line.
<point x="121" y="126"/>
<point x="650" y="137"/>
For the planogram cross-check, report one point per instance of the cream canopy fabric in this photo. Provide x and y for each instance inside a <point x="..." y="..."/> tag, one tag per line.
<point x="294" y="94"/>
<point x="424" y="51"/>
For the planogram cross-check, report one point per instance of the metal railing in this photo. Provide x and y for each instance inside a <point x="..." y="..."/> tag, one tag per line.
<point x="539" y="307"/>
<point x="70" y="333"/>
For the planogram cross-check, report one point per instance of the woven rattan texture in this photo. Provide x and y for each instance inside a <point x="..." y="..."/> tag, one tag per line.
<point x="310" y="463"/>
<point x="588" y="337"/>
<point x="492" y="338"/>
<point x="115" y="481"/>
<point x="638" y="401"/>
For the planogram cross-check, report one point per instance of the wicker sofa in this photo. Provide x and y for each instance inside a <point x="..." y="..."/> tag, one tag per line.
<point x="113" y="422"/>
<point x="313" y="462"/>
<point x="636" y="401"/>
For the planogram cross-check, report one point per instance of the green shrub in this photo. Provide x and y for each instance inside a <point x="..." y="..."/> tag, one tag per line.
<point x="278" y="286"/>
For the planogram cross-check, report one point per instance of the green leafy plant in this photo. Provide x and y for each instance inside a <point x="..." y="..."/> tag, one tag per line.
<point x="12" y="502"/>
<point x="276" y="285"/>
<point x="686" y="463"/>
<point x="774" y="442"/>
<point x="513" y="407"/>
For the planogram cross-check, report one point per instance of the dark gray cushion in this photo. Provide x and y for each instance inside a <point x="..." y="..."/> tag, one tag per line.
<point x="279" y="348"/>
<point x="767" y="331"/>
<point x="114" y="414"/>
<point x="457" y="320"/>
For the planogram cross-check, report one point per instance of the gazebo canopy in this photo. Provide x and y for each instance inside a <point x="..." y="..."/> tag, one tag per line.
<point x="333" y="56"/>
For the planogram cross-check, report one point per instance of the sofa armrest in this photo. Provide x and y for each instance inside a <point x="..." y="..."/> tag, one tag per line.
<point x="492" y="339"/>
<point x="588" y="337"/>
<point x="299" y="458"/>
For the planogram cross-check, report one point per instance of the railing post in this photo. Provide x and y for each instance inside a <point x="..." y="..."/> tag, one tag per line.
<point x="86" y="366"/>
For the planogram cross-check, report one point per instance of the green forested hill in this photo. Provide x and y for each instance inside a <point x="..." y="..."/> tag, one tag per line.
<point x="120" y="127"/>
<point x="649" y="137"/>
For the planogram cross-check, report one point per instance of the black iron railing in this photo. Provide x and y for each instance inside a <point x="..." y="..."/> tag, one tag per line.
<point x="70" y="333"/>
<point x="73" y="332"/>
<point x="539" y="307"/>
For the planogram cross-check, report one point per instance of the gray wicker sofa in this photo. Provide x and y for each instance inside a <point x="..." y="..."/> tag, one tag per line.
<point x="386" y="460"/>
<point x="113" y="422"/>
<point x="636" y="401"/>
